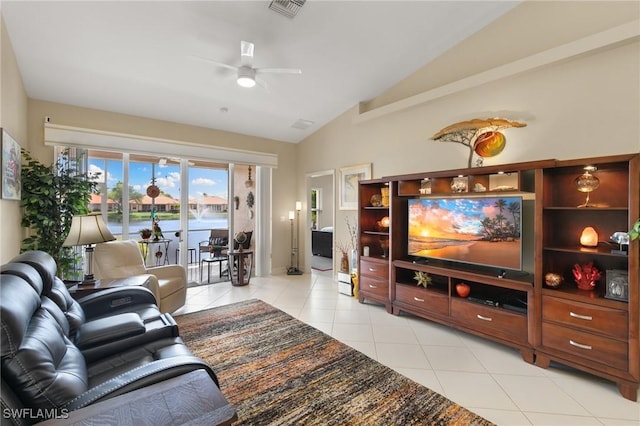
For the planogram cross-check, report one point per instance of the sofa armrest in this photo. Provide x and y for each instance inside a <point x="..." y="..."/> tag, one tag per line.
<point x="160" y="327"/>
<point x="168" y="271"/>
<point x="140" y="377"/>
<point x="104" y="330"/>
<point x="180" y="404"/>
<point x="112" y="300"/>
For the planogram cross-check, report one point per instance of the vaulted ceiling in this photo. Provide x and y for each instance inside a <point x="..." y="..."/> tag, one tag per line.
<point x="149" y="58"/>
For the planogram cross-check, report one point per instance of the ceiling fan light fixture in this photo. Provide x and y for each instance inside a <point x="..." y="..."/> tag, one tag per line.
<point x="246" y="77"/>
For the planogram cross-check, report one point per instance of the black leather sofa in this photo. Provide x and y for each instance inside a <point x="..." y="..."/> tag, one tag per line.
<point x="59" y="355"/>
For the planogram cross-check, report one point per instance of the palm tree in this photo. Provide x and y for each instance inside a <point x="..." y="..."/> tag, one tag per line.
<point x="514" y="209"/>
<point x="500" y="204"/>
<point x="488" y="227"/>
<point x="115" y="194"/>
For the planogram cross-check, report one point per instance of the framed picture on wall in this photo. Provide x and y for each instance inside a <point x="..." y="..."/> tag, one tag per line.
<point x="11" y="165"/>
<point x="349" y="177"/>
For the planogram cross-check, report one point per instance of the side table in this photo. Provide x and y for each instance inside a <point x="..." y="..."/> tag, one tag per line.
<point x="162" y="257"/>
<point x="209" y="261"/>
<point x="240" y="266"/>
<point x="80" y="290"/>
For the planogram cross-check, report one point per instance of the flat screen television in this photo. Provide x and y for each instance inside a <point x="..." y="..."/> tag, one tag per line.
<point x="483" y="231"/>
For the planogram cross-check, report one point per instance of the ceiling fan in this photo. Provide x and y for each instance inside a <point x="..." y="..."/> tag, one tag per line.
<point x="246" y="72"/>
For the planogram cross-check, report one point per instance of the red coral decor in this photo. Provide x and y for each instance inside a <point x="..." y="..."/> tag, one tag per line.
<point x="586" y="276"/>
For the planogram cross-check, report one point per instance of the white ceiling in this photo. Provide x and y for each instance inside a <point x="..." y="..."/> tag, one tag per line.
<point x="138" y="58"/>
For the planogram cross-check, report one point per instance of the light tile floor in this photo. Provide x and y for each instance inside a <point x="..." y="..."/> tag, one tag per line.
<point x="490" y="379"/>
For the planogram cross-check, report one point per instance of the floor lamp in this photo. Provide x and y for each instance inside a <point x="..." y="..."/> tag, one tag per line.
<point x="295" y="270"/>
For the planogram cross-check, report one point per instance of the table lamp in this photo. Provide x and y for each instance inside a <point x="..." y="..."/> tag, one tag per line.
<point x="87" y="230"/>
<point x="587" y="183"/>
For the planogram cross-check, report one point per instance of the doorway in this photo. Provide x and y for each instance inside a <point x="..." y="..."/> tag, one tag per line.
<point x="320" y="190"/>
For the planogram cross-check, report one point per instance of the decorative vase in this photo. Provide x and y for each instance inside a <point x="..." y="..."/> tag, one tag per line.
<point x="344" y="262"/>
<point x="353" y="261"/>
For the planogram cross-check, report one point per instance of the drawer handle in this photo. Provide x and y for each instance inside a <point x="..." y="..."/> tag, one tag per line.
<point x="484" y="318"/>
<point x="583" y="317"/>
<point x="373" y="270"/>
<point x="417" y="299"/>
<point x="580" y="345"/>
<point x="373" y="286"/>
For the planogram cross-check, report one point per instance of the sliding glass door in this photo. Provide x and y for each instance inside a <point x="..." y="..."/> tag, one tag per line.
<point x="145" y="192"/>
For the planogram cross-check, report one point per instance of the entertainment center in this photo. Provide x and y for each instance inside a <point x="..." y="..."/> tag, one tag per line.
<point x="485" y="238"/>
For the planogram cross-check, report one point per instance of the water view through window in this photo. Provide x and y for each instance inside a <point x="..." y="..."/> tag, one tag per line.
<point x="207" y="195"/>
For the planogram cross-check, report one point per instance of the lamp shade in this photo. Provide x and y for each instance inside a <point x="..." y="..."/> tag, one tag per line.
<point x="298" y="205"/>
<point x="88" y="229"/>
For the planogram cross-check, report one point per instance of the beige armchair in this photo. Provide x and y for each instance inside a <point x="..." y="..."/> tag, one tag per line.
<point x="121" y="259"/>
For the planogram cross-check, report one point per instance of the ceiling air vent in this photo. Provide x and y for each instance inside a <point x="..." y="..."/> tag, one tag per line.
<point x="288" y="8"/>
<point x="302" y="124"/>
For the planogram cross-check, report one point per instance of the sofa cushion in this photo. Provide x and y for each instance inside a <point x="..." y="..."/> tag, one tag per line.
<point x="118" y="259"/>
<point x="27" y="273"/>
<point x="43" y="262"/>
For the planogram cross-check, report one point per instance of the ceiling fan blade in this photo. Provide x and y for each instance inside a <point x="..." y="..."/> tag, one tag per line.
<point x="216" y="63"/>
<point x="246" y="53"/>
<point x="260" y="82"/>
<point x="279" y="70"/>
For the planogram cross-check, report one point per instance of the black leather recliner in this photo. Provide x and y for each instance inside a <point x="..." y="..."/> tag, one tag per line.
<point x="100" y="324"/>
<point x="58" y="353"/>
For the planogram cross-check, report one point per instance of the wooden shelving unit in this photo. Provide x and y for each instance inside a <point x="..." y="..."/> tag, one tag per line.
<point x="373" y="269"/>
<point x="580" y="328"/>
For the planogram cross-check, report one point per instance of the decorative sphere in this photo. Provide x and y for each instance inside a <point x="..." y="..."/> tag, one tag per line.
<point x="490" y="144"/>
<point x="553" y="280"/>
<point x="241" y="237"/>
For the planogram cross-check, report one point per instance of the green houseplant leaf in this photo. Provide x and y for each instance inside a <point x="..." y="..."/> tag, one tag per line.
<point x="51" y="196"/>
<point x="634" y="232"/>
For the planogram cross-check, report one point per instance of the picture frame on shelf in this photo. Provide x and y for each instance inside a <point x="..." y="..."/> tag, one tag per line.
<point x="617" y="285"/>
<point x="349" y="178"/>
<point x="11" y="167"/>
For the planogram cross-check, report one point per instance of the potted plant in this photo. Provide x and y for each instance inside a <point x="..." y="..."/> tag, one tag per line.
<point x="634" y="232"/>
<point x="145" y="233"/>
<point x="51" y="196"/>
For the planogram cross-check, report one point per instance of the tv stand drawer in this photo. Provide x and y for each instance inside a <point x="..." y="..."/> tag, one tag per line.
<point x="488" y="318"/>
<point x="425" y="300"/>
<point x="374" y="269"/>
<point x="374" y="286"/>
<point x="586" y="345"/>
<point x="601" y="319"/>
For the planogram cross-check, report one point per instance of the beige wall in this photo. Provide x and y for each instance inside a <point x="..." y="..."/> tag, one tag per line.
<point x="584" y="107"/>
<point x="13" y="118"/>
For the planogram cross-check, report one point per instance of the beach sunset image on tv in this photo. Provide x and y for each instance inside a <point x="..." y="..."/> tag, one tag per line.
<point x="483" y="231"/>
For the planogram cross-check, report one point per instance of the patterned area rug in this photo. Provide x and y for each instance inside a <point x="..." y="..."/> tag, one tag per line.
<point x="277" y="370"/>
